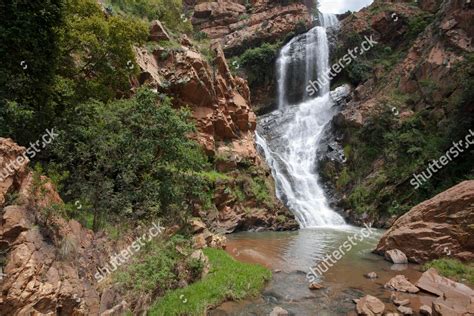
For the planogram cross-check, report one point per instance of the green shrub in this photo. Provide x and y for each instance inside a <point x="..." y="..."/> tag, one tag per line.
<point x="131" y="157"/>
<point x="259" y="63"/>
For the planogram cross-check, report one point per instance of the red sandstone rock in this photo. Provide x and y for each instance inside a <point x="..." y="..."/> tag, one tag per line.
<point x="454" y="298"/>
<point x="400" y="283"/>
<point x="435" y="227"/>
<point x="236" y="28"/>
<point x="370" y="306"/>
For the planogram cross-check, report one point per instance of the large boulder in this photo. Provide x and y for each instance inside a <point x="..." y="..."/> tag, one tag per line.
<point x="439" y="227"/>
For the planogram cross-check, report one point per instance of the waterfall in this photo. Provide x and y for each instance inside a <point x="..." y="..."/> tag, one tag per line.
<point x="289" y="138"/>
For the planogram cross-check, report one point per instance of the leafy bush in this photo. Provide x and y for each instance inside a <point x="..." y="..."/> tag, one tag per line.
<point x="154" y="270"/>
<point x="130" y="157"/>
<point x="259" y="63"/>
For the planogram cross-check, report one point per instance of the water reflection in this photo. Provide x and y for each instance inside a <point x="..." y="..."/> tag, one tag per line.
<point x="341" y="6"/>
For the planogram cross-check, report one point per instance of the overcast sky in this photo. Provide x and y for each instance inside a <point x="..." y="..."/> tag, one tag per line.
<point x="341" y="6"/>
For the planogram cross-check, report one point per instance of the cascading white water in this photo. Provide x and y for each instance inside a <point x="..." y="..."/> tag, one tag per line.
<point x="291" y="151"/>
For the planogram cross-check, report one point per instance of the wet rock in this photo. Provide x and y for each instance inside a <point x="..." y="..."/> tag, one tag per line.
<point x="315" y="286"/>
<point x="371" y="275"/>
<point x="278" y="311"/>
<point x="435" y="226"/>
<point x="400" y="283"/>
<point x="370" y="306"/>
<point x="396" y="256"/>
<point x="405" y="310"/>
<point x="426" y="310"/>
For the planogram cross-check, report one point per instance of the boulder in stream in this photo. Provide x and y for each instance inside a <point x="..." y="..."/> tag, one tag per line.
<point x="396" y="256"/>
<point x="400" y="283"/>
<point x="370" y="306"/>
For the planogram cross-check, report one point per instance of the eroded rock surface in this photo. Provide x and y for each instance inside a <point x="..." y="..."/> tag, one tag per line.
<point x="454" y="298"/>
<point x="436" y="227"/>
<point x="238" y="27"/>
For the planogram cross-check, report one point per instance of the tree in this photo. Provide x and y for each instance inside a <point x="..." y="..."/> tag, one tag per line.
<point x="131" y="157"/>
<point x="29" y="50"/>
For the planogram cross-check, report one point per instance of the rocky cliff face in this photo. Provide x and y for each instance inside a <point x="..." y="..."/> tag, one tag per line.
<point x="48" y="264"/>
<point x="220" y="104"/>
<point x="411" y="84"/>
<point x="238" y="27"/>
<point x="439" y="227"/>
<point x="432" y="56"/>
<point x="40" y="277"/>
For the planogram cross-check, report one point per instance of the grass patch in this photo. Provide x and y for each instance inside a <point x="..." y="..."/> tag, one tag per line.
<point x="454" y="269"/>
<point x="213" y="176"/>
<point x="228" y="279"/>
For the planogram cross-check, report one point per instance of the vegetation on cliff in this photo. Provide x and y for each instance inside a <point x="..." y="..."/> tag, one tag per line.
<point x="409" y="120"/>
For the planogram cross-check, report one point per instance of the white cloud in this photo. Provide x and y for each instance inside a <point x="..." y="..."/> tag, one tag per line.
<point x="341" y="6"/>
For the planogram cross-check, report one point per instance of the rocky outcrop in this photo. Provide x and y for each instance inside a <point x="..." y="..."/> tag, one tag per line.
<point x="219" y="102"/>
<point x="454" y="298"/>
<point x="220" y="105"/>
<point x="439" y="227"/>
<point x="48" y="264"/>
<point x="238" y="27"/>
<point x="40" y="275"/>
<point x="421" y="62"/>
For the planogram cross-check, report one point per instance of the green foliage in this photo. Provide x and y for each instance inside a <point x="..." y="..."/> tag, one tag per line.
<point x="96" y="52"/>
<point x="154" y="269"/>
<point x="130" y="157"/>
<point x="227" y="280"/>
<point x="72" y="52"/>
<point x="358" y="72"/>
<point x="418" y="24"/>
<point x="259" y="63"/>
<point x="29" y="50"/>
<point x="260" y="190"/>
<point x="452" y="268"/>
<point x="169" y="12"/>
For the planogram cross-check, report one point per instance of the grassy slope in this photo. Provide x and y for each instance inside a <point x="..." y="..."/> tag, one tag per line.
<point x="453" y="269"/>
<point x="227" y="279"/>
